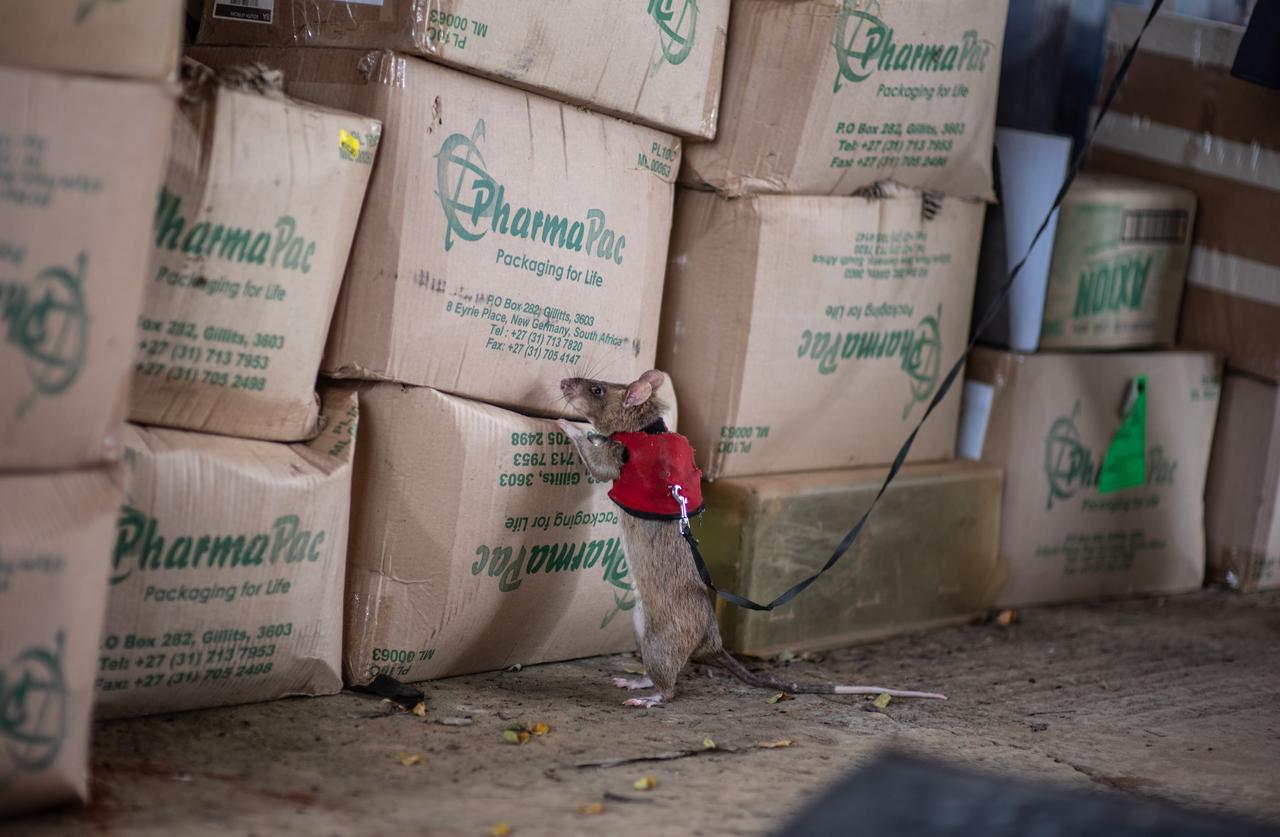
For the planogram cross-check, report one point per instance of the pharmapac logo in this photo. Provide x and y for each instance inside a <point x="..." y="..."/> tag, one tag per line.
<point x="864" y="43"/>
<point x="475" y="204"/>
<point x="919" y="352"/>
<point x="49" y="325"/>
<point x="1068" y="464"/>
<point x="675" y="29"/>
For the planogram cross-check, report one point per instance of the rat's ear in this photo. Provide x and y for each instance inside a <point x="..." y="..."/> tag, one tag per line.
<point x="638" y="392"/>
<point x="654" y="378"/>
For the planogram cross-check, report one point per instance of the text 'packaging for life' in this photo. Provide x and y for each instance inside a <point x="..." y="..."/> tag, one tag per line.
<point x="657" y="62"/>
<point x="1242" y="499"/>
<point x="1119" y="260"/>
<point x="251" y="244"/>
<point x="1105" y="457"/>
<point x="828" y="96"/>
<point x="55" y="545"/>
<point x="478" y="542"/>
<point x="807" y="333"/>
<point x="81" y="162"/>
<point x="228" y="568"/>
<point x="133" y="38"/>
<point x="761" y="535"/>
<point x="507" y="240"/>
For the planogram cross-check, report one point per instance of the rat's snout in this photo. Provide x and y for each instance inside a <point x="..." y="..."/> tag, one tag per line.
<point x="567" y="386"/>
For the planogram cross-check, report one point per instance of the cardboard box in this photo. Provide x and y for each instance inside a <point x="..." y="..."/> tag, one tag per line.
<point x="1242" y="500"/>
<point x="55" y="536"/>
<point x="783" y="314"/>
<point x="506" y="240"/>
<point x="1119" y="261"/>
<point x="136" y="38"/>
<point x="1220" y="138"/>
<point x="477" y="542"/>
<point x="656" y="62"/>
<point x="1048" y="420"/>
<point x="761" y="535"/>
<point x="228" y="568"/>
<point x="251" y="243"/>
<point x="825" y="97"/>
<point x="81" y="161"/>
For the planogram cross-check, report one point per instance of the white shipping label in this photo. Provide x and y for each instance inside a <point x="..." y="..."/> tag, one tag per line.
<point x="249" y="11"/>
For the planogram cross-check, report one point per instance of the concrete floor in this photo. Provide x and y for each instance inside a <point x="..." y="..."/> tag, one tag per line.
<point x="1171" y="698"/>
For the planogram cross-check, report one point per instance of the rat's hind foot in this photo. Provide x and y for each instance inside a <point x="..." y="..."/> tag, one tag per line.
<point x="631" y="684"/>
<point x="644" y="702"/>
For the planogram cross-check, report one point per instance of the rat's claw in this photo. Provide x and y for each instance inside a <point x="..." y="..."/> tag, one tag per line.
<point x="644" y="702"/>
<point x="633" y="684"/>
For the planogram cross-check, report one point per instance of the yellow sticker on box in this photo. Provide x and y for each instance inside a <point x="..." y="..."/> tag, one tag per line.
<point x="349" y="143"/>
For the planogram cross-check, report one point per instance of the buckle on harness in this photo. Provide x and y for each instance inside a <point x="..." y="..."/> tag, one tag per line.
<point x="677" y="491"/>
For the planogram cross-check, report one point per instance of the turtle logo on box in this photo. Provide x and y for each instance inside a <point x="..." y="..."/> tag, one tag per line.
<point x="1068" y="464"/>
<point x="475" y="204"/>
<point x="864" y="43"/>
<point x="49" y="325"/>
<point x="675" y="30"/>
<point x="33" y="711"/>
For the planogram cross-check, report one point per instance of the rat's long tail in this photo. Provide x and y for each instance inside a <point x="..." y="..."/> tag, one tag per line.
<point x="764" y="681"/>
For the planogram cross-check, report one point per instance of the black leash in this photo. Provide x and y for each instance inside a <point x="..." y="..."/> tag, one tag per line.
<point x="984" y="321"/>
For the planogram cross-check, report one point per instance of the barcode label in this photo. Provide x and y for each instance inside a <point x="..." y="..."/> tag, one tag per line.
<point x="251" y="11"/>
<point x="1154" y="225"/>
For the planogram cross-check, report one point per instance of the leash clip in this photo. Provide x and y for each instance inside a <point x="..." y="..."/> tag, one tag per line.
<point x="677" y="491"/>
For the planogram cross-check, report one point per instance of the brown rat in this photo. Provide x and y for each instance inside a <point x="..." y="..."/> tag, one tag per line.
<point x="674" y="614"/>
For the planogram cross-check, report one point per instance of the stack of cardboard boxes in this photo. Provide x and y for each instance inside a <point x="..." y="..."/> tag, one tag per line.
<point x="84" y="125"/>
<point x="1219" y="138"/>
<point x="821" y="275"/>
<point x="230" y="554"/>
<point x="508" y="240"/>
<point x="1102" y="428"/>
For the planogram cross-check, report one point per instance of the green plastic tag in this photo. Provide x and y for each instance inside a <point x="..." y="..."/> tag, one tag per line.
<point x="1125" y="464"/>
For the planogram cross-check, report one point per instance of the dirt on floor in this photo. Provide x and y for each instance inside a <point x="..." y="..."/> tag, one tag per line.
<point x="1171" y="698"/>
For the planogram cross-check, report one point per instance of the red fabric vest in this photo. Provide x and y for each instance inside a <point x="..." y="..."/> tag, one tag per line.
<point x="655" y="462"/>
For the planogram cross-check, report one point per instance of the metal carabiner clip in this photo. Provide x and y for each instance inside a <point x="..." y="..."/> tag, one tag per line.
<point x="677" y="491"/>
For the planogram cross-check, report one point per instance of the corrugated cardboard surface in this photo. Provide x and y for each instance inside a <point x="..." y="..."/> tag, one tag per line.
<point x="1220" y="138"/>
<point x="1051" y="420"/>
<point x="1242" y="500"/>
<point x="478" y="189"/>
<point x="227" y="574"/>
<point x="55" y="539"/>
<point x="653" y="62"/>
<point x="478" y="542"/>
<point x="808" y="333"/>
<point x="81" y="161"/>
<point x="762" y="534"/>
<point x="1119" y="261"/>
<point x="827" y="96"/>
<point x="138" y="38"/>
<point x="251" y="244"/>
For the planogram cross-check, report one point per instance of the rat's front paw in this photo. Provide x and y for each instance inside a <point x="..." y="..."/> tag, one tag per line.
<point x="571" y="430"/>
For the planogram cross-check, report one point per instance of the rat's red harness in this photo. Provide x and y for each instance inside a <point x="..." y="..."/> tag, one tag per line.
<point x="659" y="480"/>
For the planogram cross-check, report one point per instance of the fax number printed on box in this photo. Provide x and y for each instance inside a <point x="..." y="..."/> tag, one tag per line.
<point x="894" y="145"/>
<point x="217" y="356"/>
<point x="181" y="658"/>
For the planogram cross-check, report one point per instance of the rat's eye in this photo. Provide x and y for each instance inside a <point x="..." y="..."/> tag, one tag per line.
<point x="597" y="391"/>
